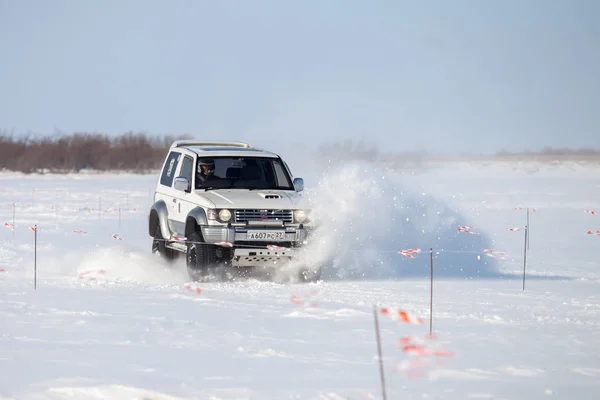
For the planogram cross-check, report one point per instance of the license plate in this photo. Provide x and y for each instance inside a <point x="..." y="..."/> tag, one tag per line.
<point x="265" y="235"/>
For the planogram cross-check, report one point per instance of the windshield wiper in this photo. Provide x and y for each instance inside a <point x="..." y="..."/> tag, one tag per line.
<point x="271" y="188"/>
<point x="217" y="187"/>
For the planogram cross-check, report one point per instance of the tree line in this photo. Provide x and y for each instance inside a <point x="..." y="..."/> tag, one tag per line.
<point x="143" y="153"/>
<point x="130" y="152"/>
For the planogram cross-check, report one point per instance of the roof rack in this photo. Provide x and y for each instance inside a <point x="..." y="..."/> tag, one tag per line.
<point x="180" y="143"/>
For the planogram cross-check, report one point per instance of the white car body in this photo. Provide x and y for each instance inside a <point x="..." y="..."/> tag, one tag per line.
<point x="266" y="224"/>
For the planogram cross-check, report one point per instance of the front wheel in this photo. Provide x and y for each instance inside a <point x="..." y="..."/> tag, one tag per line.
<point x="200" y="257"/>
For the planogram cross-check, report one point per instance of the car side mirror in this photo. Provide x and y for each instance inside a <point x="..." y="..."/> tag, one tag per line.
<point x="298" y="184"/>
<point x="182" y="184"/>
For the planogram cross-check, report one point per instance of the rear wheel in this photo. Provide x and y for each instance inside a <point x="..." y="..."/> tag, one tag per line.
<point x="201" y="257"/>
<point x="159" y="248"/>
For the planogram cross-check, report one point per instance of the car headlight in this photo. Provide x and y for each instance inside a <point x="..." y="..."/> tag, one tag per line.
<point x="224" y="215"/>
<point x="300" y="216"/>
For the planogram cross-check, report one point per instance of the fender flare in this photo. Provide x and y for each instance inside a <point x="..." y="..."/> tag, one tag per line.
<point x="198" y="216"/>
<point x="160" y="208"/>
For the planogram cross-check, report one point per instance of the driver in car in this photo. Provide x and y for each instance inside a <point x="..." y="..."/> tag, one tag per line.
<point x="206" y="171"/>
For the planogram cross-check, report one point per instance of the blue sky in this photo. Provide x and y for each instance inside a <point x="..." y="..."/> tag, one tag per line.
<point x="451" y="76"/>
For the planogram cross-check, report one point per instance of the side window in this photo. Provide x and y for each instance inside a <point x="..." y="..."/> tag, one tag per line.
<point x="288" y="168"/>
<point x="186" y="168"/>
<point x="168" y="173"/>
<point x="282" y="178"/>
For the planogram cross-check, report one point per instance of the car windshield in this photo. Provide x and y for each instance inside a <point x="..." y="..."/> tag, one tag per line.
<point x="242" y="173"/>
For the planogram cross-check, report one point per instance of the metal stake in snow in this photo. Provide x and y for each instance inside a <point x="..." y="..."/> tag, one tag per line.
<point x="431" y="291"/>
<point x="378" y="338"/>
<point x="119" y="217"/>
<point x="35" y="257"/>
<point x="525" y="254"/>
<point x="14" y="213"/>
<point x="527" y="229"/>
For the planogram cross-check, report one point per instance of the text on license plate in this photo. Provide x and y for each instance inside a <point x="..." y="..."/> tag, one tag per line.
<point x="265" y="235"/>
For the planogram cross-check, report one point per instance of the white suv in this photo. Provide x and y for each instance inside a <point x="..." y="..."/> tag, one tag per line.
<point x="249" y="212"/>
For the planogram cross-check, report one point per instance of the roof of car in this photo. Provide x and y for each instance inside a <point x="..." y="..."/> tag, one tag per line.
<point x="222" y="148"/>
<point x="214" y="151"/>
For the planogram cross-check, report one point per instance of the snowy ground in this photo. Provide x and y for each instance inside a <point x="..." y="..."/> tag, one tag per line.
<point x="130" y="328"/>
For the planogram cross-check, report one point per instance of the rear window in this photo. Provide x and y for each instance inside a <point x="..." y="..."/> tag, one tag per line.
<point x="168" y="173"/>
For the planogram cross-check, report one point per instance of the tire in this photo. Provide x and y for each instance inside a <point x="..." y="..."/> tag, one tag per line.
<point x="159" y="248"/>
<point x="200" y="257"/>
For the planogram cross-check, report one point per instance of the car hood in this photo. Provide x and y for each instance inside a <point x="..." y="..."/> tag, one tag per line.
<point x="254" y="199"/>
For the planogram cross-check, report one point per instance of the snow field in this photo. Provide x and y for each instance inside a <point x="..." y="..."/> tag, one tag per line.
<point x="109" y="320"/>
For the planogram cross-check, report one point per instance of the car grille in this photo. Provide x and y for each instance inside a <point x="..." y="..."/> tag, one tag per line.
<point x="261" y="215"/>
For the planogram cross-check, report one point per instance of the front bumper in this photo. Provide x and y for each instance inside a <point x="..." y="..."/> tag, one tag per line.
<point x="247" y="252"/>
<point x="295" y="235"/>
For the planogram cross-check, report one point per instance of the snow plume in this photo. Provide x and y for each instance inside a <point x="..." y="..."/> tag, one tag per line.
<point x="114" y="264"/>
<point x="366" y="216"/>
<point x="133" y="266"/>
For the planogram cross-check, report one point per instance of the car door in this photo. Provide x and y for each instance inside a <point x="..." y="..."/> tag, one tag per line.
<point x="184" y="201"/>
<point x="165" y="190"/>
